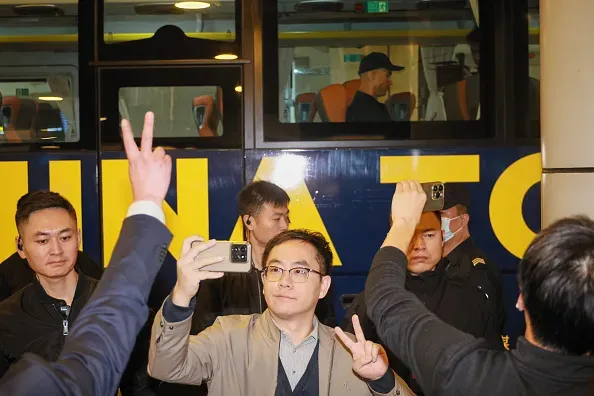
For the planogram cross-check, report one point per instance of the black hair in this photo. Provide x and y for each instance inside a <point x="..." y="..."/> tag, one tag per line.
<point x="315" y="239"/>
<point x="556" y="278"/>
<point x="255" y="195"/>
<point x="40" y="200"/>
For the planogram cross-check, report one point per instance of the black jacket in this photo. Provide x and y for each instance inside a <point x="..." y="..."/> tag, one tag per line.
<point x="31" y="321"/>
<point x="15" y="272"/>
<point x="447" y="361"/>
<point x="446" y="293"/>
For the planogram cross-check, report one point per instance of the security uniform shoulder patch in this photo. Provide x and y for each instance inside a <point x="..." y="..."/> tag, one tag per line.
<point x="478" y="261"/>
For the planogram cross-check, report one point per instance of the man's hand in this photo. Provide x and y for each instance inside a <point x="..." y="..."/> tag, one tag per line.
<point x="408" y="202"/>
<point x="369" y="359"/>
<point x="188" y="270"/>
<point x="150" y="171"/>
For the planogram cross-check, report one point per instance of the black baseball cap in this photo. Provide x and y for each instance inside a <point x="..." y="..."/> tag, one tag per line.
<point x="377" y="60"/>
<point x="456" y="194"/>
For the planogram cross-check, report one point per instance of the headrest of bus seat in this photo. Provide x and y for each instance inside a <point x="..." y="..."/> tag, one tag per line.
<point x="206" y="115"/>
<point x="331" y="103"/>
<point x="305" y="107"/>
<point x="352" y="86"/>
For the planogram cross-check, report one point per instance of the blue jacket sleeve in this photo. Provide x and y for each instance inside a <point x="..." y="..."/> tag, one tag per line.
<point x="97" y="350"/>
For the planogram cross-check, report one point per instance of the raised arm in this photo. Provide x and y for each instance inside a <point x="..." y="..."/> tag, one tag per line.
<point x="174" y="355"/>
<point x="433" y="350"/>
<point x="96" y="352"/>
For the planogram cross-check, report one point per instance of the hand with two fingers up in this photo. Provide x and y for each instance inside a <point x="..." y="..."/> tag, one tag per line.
<point x="189" y="274"/>
<point x="149" y="171"/>
<point x="370" y="360"/>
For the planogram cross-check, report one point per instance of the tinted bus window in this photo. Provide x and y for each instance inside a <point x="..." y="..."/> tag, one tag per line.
<point x="387" y="64"/>
<point x="180" y="112"/>
<point x="135" y="20"/>
<point x="416" y="69"/>
<point x="534" y="65"/>
<point x="39" y="73"/>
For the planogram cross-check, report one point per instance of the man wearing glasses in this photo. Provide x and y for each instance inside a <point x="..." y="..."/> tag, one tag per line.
<point x="283" y="351"/>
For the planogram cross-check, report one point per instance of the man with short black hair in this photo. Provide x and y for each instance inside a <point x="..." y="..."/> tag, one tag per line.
<point x="556" y="279"/>
<point x="15" y="271"/>
<point x="283" y="351"/>
<point x="39" y="316"/>
<point x="375" y="71"/>
<point x="264" y="210"/>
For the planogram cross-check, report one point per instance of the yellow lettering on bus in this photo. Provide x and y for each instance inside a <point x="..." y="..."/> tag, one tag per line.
<point x="18" y="186"/>
<point x="505" y="205"/>
<point x="288" y="172"/>
<point x="65" y="179"/>
<point x="192" y="202"/>
<point x="429" y="168"/>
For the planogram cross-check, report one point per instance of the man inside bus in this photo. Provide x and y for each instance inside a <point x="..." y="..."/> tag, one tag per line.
<point x="285" y="347"/>
<point x="375" y="71"/>
<point x="16" y="273"/>
<point x="467" y="261"/>
<point x="38" y="317"/>
<point x="556" y="282"/>
<point x="454" y="300"/>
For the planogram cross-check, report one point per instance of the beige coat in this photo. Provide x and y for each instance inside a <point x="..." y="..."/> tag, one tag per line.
<point x="238" y="355"/>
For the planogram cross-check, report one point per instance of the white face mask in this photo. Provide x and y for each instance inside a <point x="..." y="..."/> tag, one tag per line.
<point x="445" y="226"/>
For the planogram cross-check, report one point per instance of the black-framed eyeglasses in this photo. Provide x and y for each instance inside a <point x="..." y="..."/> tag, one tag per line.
<point x="297" y="275"/>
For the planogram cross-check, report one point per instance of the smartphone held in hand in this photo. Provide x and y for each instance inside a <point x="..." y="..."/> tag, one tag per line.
<point x="237" y="257"/>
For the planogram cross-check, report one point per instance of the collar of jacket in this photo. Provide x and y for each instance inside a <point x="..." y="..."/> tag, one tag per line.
<point x="325" y="354"/>
<point x="81" y="287"/>
<point x="553" y="365"/>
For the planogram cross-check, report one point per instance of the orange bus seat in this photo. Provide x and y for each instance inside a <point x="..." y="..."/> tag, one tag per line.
<point x="206" y="115"/>
<point x="21" y="114"/>
<point x="219" y="102"/>
<point x="305" y="107"/>
<point x="331" y="103"/>
<point x="352" y="86"/>
<point x="401" y="105"/>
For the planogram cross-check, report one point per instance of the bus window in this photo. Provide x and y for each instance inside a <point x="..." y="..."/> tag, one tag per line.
<point x="39" y="73"/>
<point x="135" y="20"/>
<point x="180" y="112"/>
<point x="376" y="62"/>
<point x="533" y="111"/>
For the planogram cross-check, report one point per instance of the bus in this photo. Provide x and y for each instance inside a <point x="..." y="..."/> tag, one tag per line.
<point x="245" y="90"/>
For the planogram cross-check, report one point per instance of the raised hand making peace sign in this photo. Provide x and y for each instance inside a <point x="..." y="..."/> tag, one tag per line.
<point x="369" y="359"/>
<point x="150" y="171"/>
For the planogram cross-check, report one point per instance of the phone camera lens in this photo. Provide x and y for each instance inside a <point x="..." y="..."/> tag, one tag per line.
<point x="437" y="195"/>
<point x="441" y="187"/>
<point x="434" y="187"/>
<point x="243" y="248"/>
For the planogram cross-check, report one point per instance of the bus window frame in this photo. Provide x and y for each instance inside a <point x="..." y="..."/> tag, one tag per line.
<point x="112" y="79"/>
<point x="170" y="47"/>
<point x="24" y="73"/>
<point x="266" y="107"/>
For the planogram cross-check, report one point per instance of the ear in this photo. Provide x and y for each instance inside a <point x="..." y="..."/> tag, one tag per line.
<point x="465" y="219"/>
<point x="248" y="222"/>
<point x="263" y="280"/>
<point x="79" y="236"/>
<point x="520" y="303"/>
<point x="19" y="246"/>
<point x="326" y="281"/>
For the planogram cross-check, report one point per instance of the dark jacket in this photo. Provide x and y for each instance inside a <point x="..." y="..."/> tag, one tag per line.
<point x="447" y="361"/>
<point x="453" y="298"/>
<point x="15" y="272"/>
<point x="101" y="341"/>
<point x="467" y="261"/>
<point x="32" y="321"/>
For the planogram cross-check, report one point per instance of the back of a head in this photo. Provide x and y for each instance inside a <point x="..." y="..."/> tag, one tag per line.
<point x="556" y="278"/>
<point x="256" y="194"/>
<point x="40" y="200"/>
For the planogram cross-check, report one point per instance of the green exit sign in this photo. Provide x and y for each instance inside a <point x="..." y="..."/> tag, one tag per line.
<point x="20" y="92"/>
<point x="355" y="58"/>
<point x="376" y="6"/>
